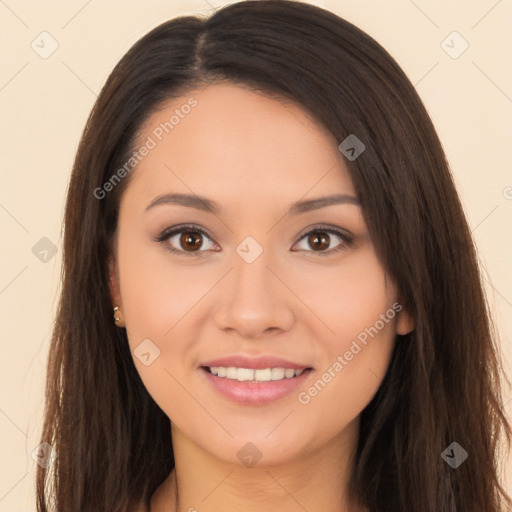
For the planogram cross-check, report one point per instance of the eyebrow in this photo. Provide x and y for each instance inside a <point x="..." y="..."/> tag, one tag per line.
<point x="204" y="204"/>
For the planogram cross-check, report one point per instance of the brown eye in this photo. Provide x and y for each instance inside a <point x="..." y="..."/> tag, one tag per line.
<point x="319" y="240"/>
<point x="186" y="240"/>
<point x="191" y="240"/>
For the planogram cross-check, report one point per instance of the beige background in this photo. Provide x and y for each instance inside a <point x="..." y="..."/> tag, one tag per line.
<point x="45" y="103"/>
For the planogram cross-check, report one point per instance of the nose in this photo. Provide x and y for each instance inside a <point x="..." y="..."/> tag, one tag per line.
<point x="254" y="301"/>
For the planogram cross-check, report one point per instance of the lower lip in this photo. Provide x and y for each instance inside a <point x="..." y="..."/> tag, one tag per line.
<point x="257" y="393"/>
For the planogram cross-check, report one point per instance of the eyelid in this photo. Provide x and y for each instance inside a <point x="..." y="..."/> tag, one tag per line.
<point x="325" y="228"/>
<point x="166" y="233"/>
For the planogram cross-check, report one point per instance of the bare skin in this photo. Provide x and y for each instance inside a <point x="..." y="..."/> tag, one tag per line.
<point x="300" y="300"/>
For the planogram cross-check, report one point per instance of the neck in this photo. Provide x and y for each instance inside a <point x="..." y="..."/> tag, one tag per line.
<point x="317" y="480"/>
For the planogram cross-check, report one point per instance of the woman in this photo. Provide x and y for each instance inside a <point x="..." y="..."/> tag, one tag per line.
<point x="271" y="299"/>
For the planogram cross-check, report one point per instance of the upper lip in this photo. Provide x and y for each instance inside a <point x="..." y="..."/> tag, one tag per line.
<point x="256" y="363"/>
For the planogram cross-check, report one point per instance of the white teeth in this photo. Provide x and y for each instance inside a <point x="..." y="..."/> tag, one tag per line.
<point x="251" y="375"/>
<point x="245" y="374"/>
<point x="232" y="372"/>
<point x="277" y="373"/>
<point x="263" y="375"/>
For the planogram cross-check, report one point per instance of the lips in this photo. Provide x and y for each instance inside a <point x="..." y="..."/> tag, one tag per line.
<point x="263" y="389"/>
<point x="255" y="363"/>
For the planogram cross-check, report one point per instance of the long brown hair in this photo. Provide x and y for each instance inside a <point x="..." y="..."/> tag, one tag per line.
<point x="443" y="383"/>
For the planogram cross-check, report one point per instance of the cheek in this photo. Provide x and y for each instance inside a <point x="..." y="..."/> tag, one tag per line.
<point x="162" y="303"/>
<point x="157" y="300"/>
<point x="157" y="294"/>
<point x="346" y="299"/>
<point x="358" y="311"/>
<point x="343" y="388"/>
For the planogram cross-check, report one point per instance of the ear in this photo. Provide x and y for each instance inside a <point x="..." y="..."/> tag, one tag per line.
<point x="405" y="322"/>
<point x="113" y="282"/>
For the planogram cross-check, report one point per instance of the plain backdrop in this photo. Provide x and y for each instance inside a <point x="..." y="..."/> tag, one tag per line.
<point x="45" y="100"/>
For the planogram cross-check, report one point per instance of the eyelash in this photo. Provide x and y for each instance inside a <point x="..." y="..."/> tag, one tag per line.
<point x="166" y="234"/>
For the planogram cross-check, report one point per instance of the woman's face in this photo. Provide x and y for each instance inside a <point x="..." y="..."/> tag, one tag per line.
<point x="267" y="288"/>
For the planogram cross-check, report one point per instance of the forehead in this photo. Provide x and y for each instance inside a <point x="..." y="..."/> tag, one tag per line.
<point x="227" y="140"/>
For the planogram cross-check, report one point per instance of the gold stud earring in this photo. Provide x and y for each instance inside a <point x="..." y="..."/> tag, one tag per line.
<point x="118" y="317"/>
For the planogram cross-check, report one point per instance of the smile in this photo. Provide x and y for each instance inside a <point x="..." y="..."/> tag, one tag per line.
<point x="250" y="386"/>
